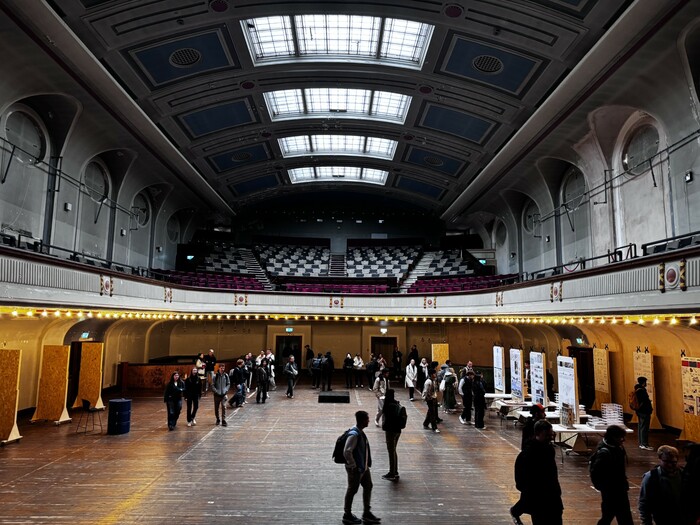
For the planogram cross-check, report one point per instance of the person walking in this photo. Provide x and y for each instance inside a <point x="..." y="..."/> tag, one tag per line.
<point x="348" y="369"/>
<point x="262" y="381"/>
<point x="358" y="364"/>
<point x="660" y="496"/>
<point x="381" y="384"/>
<point x="479" y="393"/>
<point x="411" y="378"/>
<point x="393" y="421"/>
<point x="358" y="461"/>
<point x="193" y="391"/>
<point x="220" y="387"/>
<point x="607" y="469"/>
<point x="449" y="400"/>
<point x="537" y="413"/>
<point x="238" y="378"/>
<point x="309" y="358"/>
<point x="291" y="372"/>
<point x="423" y="368"/>
<point x="172" y="397"/>
<point x="644" y="410"/>
<point x="201" y="365"/>
<point x="464" y="388"/>
<point x="430" y="396"/>
<point x="209" y="367"/>
<point x="537" y="478"/>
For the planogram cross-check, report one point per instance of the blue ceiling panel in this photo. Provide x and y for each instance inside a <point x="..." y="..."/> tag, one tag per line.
<point x="175" y="59"/>
<point x="255" y="185"/>
<point x="239" y="157"/>
<point x="457" y="123"/>
<point x="435" y="161"/>
<point x="217" y="118"/>
<point x="500" y="68"/>
<point x="417" y="186"/>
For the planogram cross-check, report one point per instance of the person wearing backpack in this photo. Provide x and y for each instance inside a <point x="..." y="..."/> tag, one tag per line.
<point x="393" y="421"/>
<point x="358" y="460"/>
<point x="327" y="367"/>
<point x="316" y="371"/>
<point x="644" y="411"/>
<point x="607" y="470"/>
<point x="660" y="496"/>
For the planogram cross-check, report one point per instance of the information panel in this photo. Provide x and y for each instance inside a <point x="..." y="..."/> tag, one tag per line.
<point x="568" y="395"/>
<point x="516" y="374"/>
<point x="690" y="377"/>
<point x="600" y="370"/>
<point x="498" y="377"/>
<point x="538" y="380"/>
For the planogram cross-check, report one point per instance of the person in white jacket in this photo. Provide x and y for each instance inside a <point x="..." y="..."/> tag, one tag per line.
<point x="358" y="364"/>
<point x="411" y="377"/>
<point x="379" y="389"/>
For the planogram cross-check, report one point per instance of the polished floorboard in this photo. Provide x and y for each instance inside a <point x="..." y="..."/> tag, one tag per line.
<point x="272" y="464"/>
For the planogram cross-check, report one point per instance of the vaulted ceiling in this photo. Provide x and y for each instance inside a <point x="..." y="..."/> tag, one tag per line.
<point x="236" y="111"/>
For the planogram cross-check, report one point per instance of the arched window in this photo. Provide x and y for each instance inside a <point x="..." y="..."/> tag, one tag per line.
<point x="575" y="228"/>
<point x="531" y="216"/>
<point x="94" y="209"/>
<point x="173" y="229"/>
<point x="640" y="149"/>
<point x="141" y="210"/>
<point x="96" y="181"/>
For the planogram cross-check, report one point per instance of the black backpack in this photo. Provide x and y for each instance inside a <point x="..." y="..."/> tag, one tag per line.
<point x="316" y="363"/>
<point x="597" y="473"/>
<point x="339" y="450"/>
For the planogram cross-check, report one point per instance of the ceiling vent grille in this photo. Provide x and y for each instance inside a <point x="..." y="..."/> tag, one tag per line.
<point x="185" y="57"/>
<point x="487" y="64"/>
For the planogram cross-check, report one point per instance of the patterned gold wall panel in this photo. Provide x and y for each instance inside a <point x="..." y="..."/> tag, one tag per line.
<point x="441" y="353"/>
<point x="53" y="384"/>
<point x="90" y="382"/>
<point x="691" y="432"/>
<point x="10" y="361"/>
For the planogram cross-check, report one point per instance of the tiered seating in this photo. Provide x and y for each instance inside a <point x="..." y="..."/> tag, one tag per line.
<point x="332" y="286"/>
<point x="294" y="260"/>
<point x="463" y="283"/>
<point x="224" y="258"/>
<point x="449" y="262"/>
<point x="226" y="281"/>
<point x="381" y="261"/>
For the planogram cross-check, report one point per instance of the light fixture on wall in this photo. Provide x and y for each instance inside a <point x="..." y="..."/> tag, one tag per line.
<point x="122" y="232"/>
<point x="383" y="330"/>
<point x="512" y="255"/>
<point x="159" y="249"/>
<point x="546" y="238"/>
<point x="689" y="176"/>
<point x="67" y="206"/>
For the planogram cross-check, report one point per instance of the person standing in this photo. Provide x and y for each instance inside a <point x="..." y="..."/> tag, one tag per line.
<point x="537" y="413"/>
<point x="193" y="391"/>
<point x="209" y="367"/>
<point x="537" y="478"/>
<point x="644" y="411"/>
<point x="272" y="384"/>
<point x="309" y="359"/>
<point x="411" y="378"/>
<point x="358" y="461"/>
<point x="220" y="387"/>
<point x="479" y="392"/>
<point x="201" y="365"/>
<point x="174" y="391"/>
<point x="464" y="388"/>
<point x="690" y="479"/>
<point x="381" y="384"/>
<point x="660" y="499"/>
<point x="423" y="367"/>
<point x="262" y="380"/>
<point x="291" y="372"/>
<point x="449" y="400"/>
<point x="607" y="468"/>
<point x="413" y="354"/>
<point x="316" y="371"/>
<point x="238" y="378"/>
<point x="327" y="368"/>
<point x="396" y="362"/>
<point x="430" y="396"/>
<point x="357" y="364"/>
<point x="348" y="365"/>
<point x="393" y="421"/>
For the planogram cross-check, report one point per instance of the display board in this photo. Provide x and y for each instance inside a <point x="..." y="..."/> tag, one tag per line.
<point x="53" y="385"/>
<point x="601" y="371"/>
<point x="538" y="378"/>
<point x="516" y="374"/>
<point x="690" y="380"/>
<point x="11" y="363"/>
<point x="642" y="365"/>
<point x="568" y="389"/>
<point x="499" y="383"/>
<point x="90" y="381"/>
<point x="440" y="352"/>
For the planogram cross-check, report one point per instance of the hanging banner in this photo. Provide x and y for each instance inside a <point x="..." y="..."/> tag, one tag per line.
<point x="498" y="377"/>
<point x="568" y="393"/>
<point x="516" y="374"/>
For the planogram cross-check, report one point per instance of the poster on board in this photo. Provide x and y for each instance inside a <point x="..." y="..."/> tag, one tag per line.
<point x="538" y="385"/>
<point x="516" y="374"/>
<point x="690" y="380"/>
<point x="600" y="370"/>
<point x="568" y="395"/>
<point x="498" y="377"/>
<point x="642" y="366"/>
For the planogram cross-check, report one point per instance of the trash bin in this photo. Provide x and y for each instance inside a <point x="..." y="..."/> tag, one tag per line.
<point x="119" y="419"/>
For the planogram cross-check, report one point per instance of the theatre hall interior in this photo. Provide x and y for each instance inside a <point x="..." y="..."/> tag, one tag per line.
<point x="324" y="262"/>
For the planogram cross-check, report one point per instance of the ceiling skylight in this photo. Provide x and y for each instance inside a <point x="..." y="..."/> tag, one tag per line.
<point x="328" y="37"/>
<point x="337" y="102"/>
<point x="337" y="174"/>
<point x="338" y="145"/>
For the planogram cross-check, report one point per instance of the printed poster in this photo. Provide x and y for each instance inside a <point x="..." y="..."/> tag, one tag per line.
<point x="516" y="373"/>
<point x="538" y="383"/>
<point x="642" y="366"/>
<point x="498" y="378"/>
<point x="690" y="379"/>
<point x="566" y="370"/>
<point x="600" y="370"/>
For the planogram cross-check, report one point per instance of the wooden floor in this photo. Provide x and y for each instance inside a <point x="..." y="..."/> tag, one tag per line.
<point x="271" y="465"/>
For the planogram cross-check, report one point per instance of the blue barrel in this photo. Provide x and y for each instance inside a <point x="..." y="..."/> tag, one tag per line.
<point x="119" y="420"/>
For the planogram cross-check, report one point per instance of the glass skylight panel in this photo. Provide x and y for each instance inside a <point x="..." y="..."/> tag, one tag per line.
<point x="338" y="145"/>
<point x="330" y="37"/>
<point x="338" y="103"/>
<point x="337" y="173"/>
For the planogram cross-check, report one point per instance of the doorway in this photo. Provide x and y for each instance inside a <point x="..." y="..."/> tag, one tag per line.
<point x="584" y="374"/>
<point x="286" y="345"/>
<point x="383" y="345"/>
<point x="76" y="349"/>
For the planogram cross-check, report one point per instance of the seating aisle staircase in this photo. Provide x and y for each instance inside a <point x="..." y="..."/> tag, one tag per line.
<point x="418" y="270"/>
<point x="254" y="268"/>
<point x="336" y="268"/>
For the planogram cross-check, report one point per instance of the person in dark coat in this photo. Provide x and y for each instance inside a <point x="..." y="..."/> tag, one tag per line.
<point x="348" y="368"/>
<point x="660" y="495"/>
<point x="537" y="478"/>
<point x="193" y="391"/>
<point x="262" y="379"/>
<point x="644" y="412"/>
<point x="393" y="422"/>
<point x="537" y="413"/>
<point x="327" y="367"/>
<point x="465" y="389"/>
<point x="690" y="486"/>
<point x="609" y="477"/>
<point x="479" y="392"/>
<point x="172" y="397"/>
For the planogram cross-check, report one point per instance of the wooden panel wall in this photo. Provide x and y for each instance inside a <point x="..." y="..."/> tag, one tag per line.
<point x="53" y="384"/>
<point x="10" y="364"/>
<point x="90" y="382"/>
